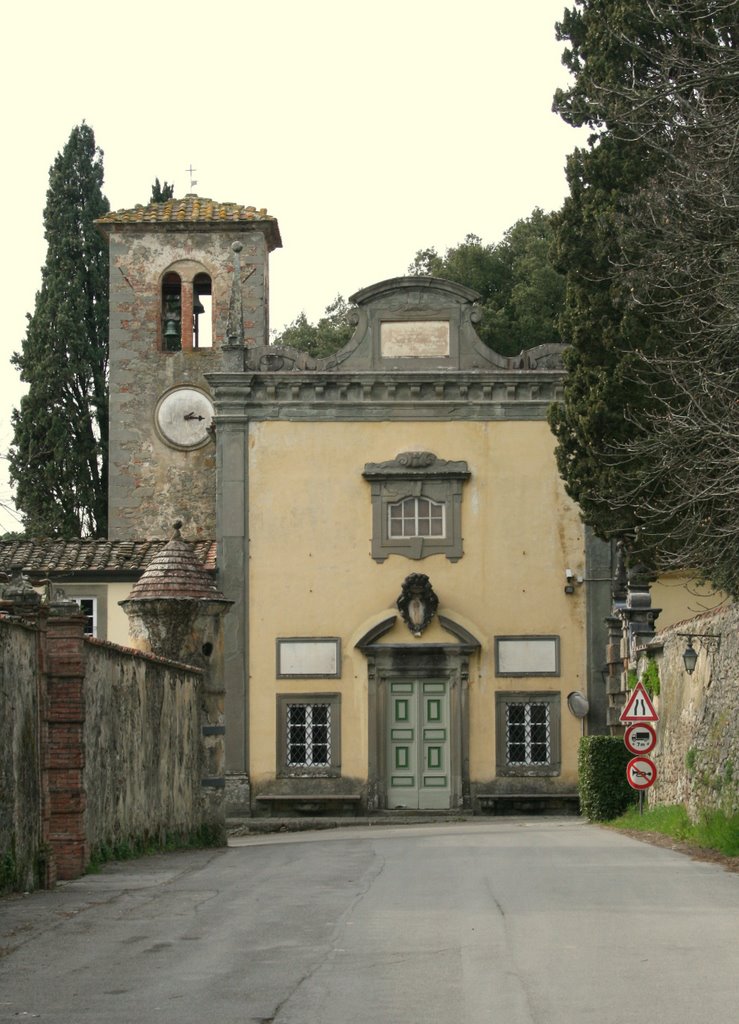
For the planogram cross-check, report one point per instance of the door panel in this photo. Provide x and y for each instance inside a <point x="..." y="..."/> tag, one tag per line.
<point x="418" y="744"/>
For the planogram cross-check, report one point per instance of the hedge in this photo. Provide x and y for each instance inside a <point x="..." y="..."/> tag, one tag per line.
<point x="604" y="790"/>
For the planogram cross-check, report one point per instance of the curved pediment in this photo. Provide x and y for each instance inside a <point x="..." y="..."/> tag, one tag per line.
<point x="416" y="323"/>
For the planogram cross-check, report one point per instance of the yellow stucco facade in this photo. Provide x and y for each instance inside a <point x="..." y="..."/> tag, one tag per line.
<point x="520" y="532"/>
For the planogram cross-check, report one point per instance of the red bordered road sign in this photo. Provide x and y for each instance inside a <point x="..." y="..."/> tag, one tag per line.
<point x="640" y="737"/>
<point x="639" y="707"/>
<point x="641" y="772"/>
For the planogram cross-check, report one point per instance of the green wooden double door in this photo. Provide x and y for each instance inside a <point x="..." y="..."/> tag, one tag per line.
<point x="418" y="744"/>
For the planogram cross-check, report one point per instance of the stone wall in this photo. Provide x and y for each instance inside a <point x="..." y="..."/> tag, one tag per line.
<point x="102" y="746"/>
<point x="697" y="753"/>
<point x="20" y="769"/>
<point x="142" y="747"/>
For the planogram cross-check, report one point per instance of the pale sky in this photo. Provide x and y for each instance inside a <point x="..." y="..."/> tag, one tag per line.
<point x="369" y="130"/>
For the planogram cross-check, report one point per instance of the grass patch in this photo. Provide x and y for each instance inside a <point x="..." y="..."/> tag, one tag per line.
<point x="713" y="831"/>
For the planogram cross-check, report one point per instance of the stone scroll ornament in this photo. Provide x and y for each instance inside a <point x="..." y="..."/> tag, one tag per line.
<point x="417" y="603"/>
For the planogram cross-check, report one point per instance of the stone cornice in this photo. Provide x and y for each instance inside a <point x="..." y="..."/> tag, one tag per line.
<point x="452" y="395"/>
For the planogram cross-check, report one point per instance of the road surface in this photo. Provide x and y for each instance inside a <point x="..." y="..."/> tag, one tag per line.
<point x="502" y="921"/>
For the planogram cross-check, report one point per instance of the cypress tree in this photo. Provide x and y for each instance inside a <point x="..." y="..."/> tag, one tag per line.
<point x="615" y="56"/>
<point x="161" y="193"/>
<point x="58" y="456"/>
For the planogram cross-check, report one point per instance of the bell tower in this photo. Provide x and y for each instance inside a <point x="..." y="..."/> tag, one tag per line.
<point x="177" y="270"/>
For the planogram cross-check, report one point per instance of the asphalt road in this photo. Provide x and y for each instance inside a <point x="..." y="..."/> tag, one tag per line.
<point x="503" y="921"/>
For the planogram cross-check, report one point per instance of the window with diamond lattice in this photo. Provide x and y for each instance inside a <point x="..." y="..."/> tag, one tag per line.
<point x="308" y="735"/>
<point x="416" y="517"/>
<point x="527" y="733"/>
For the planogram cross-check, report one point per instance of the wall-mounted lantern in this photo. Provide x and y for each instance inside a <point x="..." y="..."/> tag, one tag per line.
<point x="708" y="641"/>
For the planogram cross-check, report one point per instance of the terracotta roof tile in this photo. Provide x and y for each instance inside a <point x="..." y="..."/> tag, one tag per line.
<point x="42" y="558"/>
<point x="192" y="209"/>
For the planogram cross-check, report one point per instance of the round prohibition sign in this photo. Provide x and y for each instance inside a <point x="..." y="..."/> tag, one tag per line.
<point x="640" y="737"/>
<point x="641" y="772"/>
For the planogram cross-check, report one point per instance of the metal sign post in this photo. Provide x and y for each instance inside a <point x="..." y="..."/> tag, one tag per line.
<point x="640" y="738"/>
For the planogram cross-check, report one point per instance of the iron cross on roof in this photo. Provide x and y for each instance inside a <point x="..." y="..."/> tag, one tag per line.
<point x="191" y="170"/>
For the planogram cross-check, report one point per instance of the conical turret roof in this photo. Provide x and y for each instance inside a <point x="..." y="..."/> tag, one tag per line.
<point x="175" y="573"/>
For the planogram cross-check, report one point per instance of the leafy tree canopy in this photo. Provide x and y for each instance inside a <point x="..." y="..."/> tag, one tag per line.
<point x="58" y="456"/>
<point x="328" y="335"/>
<point x="522" y="292"/>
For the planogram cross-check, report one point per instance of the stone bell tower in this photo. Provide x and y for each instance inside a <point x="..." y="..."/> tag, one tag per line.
<point x="176" y="269"/>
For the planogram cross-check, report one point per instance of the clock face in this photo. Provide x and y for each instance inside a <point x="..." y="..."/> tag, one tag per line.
<point x="183" y="416"/>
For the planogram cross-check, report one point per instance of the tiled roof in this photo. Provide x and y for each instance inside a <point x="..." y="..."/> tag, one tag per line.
<point x="175" y="572"/>
<point x="40" y="558"/>
<point x="191" y="209"/>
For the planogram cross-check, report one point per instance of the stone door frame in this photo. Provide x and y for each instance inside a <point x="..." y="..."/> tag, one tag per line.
<point x="414" y="661"/>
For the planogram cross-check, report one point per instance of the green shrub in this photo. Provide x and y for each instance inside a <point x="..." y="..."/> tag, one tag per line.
<point x="604" y="790"/>
<point x="650" y="678"/>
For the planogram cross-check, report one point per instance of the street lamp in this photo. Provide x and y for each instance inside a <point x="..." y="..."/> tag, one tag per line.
<point x="709" y="641"/>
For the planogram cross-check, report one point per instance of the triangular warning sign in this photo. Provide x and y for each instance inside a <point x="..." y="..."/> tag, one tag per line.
<point x="639" y="707"/>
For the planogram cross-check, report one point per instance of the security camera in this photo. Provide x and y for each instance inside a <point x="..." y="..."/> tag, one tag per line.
<point x="569" y="574"/>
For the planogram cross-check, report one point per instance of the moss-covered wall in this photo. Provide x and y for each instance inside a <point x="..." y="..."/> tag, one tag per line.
<point x="142" y="747"/>
<point x="697" y="753"/>
<point x="136" y="738"/>
<point x="20" y="779"/>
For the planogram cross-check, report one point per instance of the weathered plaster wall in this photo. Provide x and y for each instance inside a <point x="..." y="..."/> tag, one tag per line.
<point x="142" y="746"/>
<point x="20" y="775"/>
<point x="150" y="484"/>
<point x="520" y="533"/>
<point x="697" y="753"/>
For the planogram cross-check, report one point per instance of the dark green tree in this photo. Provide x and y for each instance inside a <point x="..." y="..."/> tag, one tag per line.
<point x="644" y="242"/>
<point x="161" y="193"/>
<point x="330" y="333"/>
<point x="58" y="456"/>
<point x="521" y="291"/>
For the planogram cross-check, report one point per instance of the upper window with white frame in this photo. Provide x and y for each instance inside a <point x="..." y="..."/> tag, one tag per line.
<point x="89" y="606"/>
<point x="416" y="506"/>
<point x="416" y="517"/>
<point x="92" y="600"/>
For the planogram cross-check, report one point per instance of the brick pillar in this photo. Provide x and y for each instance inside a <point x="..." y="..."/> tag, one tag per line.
<point x="64" y="756"/>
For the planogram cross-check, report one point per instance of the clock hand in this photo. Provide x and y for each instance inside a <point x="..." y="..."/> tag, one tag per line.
<point x="192" y="416"/>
